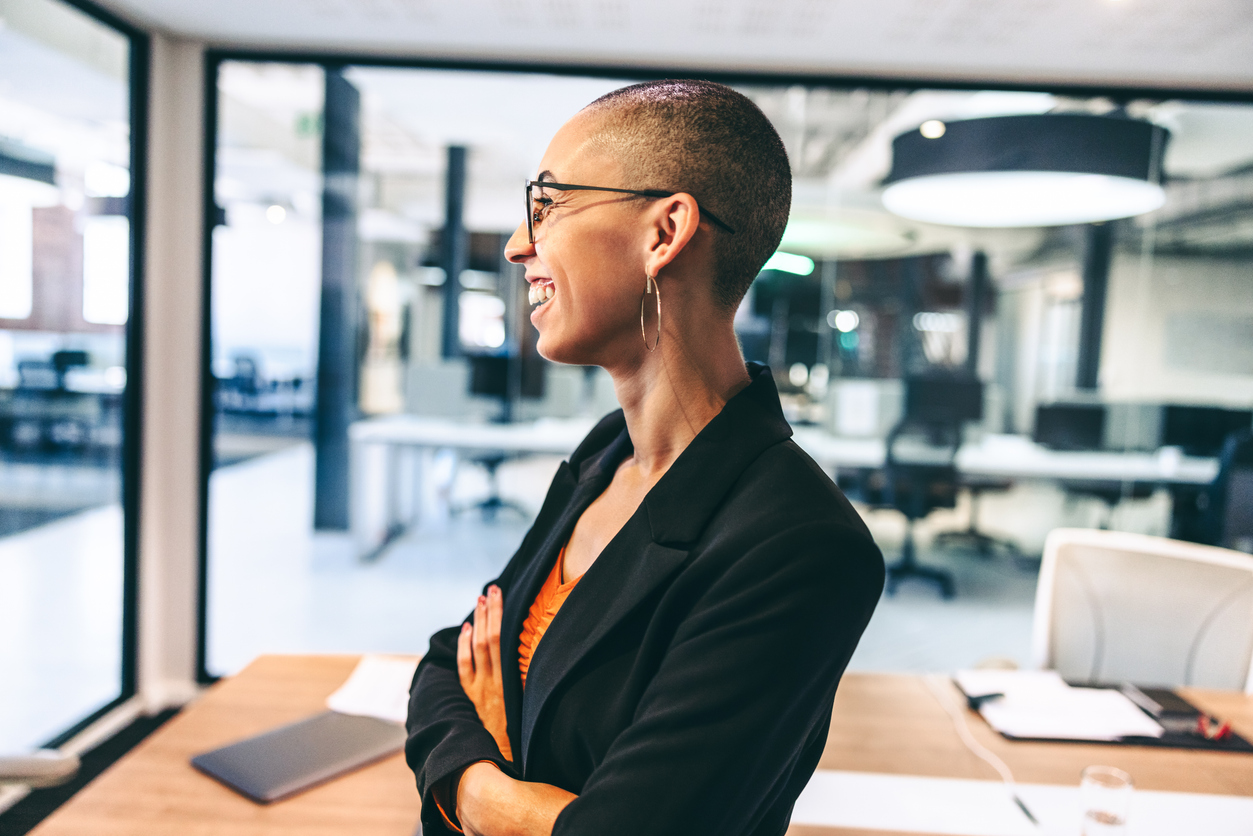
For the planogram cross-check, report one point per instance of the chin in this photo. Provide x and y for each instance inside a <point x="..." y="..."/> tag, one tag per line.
<point x="570" y="351"/>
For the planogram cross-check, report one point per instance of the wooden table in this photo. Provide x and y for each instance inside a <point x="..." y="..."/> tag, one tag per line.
<point x="882" y="723"/>
<point x="154" y="791"/>
<point x="894" y="724"/>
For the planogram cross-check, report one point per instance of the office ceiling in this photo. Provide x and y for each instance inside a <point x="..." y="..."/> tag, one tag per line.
<point x="1200" y="45"/>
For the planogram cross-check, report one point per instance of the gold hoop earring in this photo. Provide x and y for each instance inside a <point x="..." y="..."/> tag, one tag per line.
<point x="650" y="282"/>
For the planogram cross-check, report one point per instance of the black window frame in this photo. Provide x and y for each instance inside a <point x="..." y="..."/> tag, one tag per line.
<point x="139" y="61"/>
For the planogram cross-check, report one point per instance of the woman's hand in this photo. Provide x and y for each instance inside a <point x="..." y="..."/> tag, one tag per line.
<point x="490" y="803"/>
<point x="478" y="667"/>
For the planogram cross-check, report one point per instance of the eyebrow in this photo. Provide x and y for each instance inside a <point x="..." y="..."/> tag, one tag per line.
<point x="547" y="175"/>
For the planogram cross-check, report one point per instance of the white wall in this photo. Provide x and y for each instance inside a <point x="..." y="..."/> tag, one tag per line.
<point x="169" y="508"/>
<point x="1175" y="331"/>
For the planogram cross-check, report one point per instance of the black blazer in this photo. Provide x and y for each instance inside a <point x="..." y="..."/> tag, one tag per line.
<point x="686" y="684"/>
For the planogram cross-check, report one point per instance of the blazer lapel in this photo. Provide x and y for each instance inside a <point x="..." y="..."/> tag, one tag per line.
<point x="576" y="486"/>
<point x="652" y="545"/>
<point x="629" y="569"/>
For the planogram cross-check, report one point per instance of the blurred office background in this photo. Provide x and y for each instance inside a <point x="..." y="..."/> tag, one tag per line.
<point x="858" y="301"/>
<point x="357" y="296"/>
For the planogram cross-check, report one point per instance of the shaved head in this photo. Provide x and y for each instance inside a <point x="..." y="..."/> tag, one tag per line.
<point x="713" y="143"/>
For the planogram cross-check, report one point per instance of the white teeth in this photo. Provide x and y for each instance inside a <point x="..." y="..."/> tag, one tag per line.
<point x="537" y="294"/>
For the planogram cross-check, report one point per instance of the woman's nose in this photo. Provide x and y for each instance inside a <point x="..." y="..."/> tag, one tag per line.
<point x="519" y="247"/>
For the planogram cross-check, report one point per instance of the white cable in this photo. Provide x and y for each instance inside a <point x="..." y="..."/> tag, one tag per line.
<point x="977" y="749"/>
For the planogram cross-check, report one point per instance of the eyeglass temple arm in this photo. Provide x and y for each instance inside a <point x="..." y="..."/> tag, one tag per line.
<point x="569" y="187"/>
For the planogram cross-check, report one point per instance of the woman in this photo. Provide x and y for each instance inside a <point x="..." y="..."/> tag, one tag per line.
<point x="661" y="654"/>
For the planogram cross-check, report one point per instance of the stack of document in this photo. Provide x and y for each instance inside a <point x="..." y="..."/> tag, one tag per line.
<point x="1040" y="705"/>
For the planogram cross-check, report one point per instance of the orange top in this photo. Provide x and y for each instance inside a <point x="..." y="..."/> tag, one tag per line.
<point x="543" y="609"/>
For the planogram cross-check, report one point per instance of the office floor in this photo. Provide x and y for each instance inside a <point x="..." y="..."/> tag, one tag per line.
<point x="274" y="586"/>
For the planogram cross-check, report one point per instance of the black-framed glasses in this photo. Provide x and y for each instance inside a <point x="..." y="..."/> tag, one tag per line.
<point x="537" y="207"/>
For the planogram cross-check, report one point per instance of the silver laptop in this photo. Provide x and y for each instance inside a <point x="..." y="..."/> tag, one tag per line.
<point x="292" y="758"/>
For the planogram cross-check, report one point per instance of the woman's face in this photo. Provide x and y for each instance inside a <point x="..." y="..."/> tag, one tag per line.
<point x="587" y="262"/>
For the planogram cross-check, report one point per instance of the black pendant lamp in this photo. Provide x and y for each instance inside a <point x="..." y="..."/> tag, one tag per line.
<point x="1046" y="169"/>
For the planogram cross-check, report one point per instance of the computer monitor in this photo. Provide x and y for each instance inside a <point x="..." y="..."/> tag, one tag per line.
<point x="1201" y="430"/>
<point x="943" y="399"/>
<point x="489" y="376"/>
<point x="1070" y="426"/>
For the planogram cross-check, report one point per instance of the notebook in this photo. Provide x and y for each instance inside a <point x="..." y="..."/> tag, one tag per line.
<point x="295" y="757"/>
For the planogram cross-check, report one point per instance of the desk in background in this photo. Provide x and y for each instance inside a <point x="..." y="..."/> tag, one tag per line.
<point x="882" y="723"/>
<point x="391" y="455"/>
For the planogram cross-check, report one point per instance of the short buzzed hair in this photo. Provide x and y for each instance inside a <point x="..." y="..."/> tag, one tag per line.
<point x="713" y="143"/>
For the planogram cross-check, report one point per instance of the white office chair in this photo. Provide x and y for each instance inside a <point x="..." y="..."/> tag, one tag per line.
<point x="1115" y="607"/>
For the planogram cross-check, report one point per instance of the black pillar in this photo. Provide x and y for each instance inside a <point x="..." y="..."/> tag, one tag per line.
<point x="1098" y="250"/>
<point x="976" y="301"/>
<point x="913" y="355"/>
<point x="337" y="337"/>
<point x="454" y="248"/>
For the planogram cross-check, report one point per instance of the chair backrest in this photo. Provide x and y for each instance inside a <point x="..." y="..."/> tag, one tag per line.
<point x="1116" y="607"/>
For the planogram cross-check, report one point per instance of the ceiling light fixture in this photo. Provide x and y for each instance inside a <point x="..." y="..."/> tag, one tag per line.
<point x="1024" y="171"/>
<point x="788" y="263"/>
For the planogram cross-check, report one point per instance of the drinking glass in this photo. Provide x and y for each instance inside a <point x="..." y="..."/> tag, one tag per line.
<point x="1105" y="797"/>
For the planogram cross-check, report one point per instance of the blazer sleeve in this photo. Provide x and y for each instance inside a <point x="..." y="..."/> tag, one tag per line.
<point x="749" y="677"/>
<point x="445" y="733"/>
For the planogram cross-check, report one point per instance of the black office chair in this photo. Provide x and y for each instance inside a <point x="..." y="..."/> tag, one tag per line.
<point x="507" y="379"/>
<point x="915" y="490"/>
<point x="970" y="537"/>
<point x="1222" y="511"/>
<point x="494" y="503"/>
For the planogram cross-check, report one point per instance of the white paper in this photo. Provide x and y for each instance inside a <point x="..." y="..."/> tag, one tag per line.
<point x="977" y="683"/>
<point x="378" y="687"/>
<point x="910" y="803"/>
<point x="915" y="804"/>
<point x="1040" y="704"/>
<point x="1072" y="714"/>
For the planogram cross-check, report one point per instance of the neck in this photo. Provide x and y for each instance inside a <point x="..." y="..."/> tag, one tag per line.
<point x="671" y="394"/>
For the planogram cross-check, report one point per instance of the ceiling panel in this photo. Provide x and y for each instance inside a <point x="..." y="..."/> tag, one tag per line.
<point x="1202" y="44"/>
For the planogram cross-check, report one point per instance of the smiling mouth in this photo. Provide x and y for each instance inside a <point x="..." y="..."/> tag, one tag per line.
<point x="540" y="292"/>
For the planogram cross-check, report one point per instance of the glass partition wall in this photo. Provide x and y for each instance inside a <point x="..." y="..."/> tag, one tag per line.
<point x="351" y="195"/>
<point x="66" y="280"/>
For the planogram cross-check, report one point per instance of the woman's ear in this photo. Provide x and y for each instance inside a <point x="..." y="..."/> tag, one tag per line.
<point x="672" y="223"/>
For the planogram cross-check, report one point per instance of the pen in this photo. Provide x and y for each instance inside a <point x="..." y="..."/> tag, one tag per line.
<point x="1024" y="809"/>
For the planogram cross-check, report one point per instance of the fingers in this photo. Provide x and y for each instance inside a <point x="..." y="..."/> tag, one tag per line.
<point x="495" y="605"/>
<point x="465" y="658"/>
<point x="482" y="657"/>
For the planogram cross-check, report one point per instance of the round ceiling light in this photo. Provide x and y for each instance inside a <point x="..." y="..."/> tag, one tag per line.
<point x="1024" y="171"/>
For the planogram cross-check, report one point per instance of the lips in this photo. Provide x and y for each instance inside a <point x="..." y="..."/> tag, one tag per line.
<point x="540" y="292"/>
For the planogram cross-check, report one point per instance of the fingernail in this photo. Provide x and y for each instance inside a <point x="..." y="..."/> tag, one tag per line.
<point x="494" y="591"/>
<point x="482" y="599"/>
<point x="465" y="628"/>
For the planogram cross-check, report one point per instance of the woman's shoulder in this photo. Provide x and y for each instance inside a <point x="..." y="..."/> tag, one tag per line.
<point x="787" y="481"/>
<point x="785" y="495"/>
